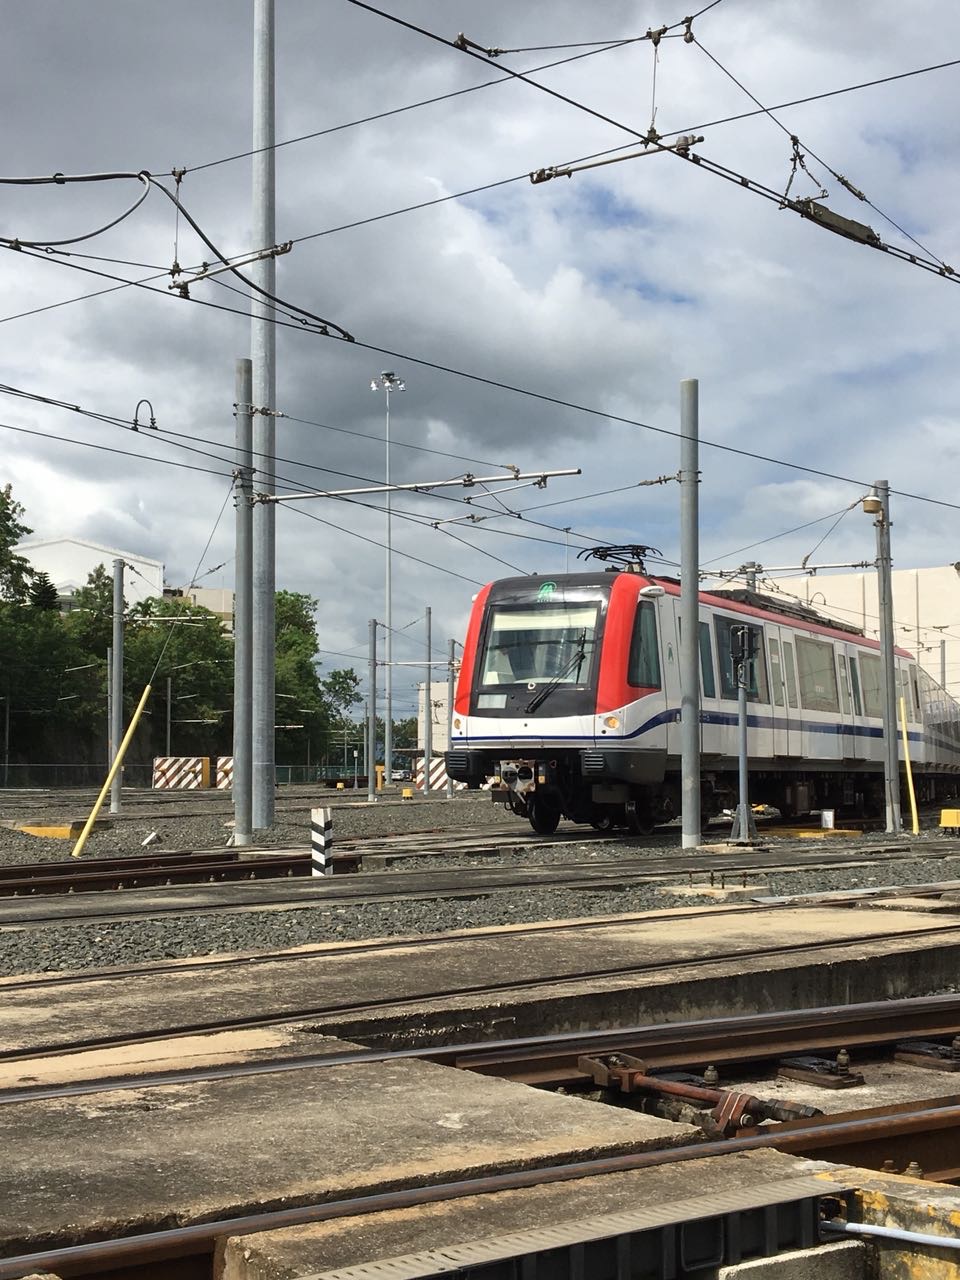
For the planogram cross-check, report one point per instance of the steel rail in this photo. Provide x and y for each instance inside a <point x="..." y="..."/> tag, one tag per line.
<point x="614" y="873"/>
<point x="552" y="981"/>
<point x="553" y="1059"/>
<point x="182" y="871"/>
<point x="202" y="1237"/>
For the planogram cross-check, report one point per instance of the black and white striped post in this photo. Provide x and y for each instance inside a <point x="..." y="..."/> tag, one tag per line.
<point x="321" y="842"/>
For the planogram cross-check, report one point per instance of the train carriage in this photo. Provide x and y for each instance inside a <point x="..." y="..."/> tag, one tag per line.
<point x="569" y="698"/>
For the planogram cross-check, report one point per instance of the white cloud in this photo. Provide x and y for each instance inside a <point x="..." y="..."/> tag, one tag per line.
<point x="603" y="290"/>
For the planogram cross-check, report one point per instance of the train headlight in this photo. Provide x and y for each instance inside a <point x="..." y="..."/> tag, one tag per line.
<point x="612" y="722"/>
<point x="456" y="722"/>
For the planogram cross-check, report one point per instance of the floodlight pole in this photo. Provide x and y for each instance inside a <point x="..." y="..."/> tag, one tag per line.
<point x="372" y="720"/>
<point x="689" y="614"/>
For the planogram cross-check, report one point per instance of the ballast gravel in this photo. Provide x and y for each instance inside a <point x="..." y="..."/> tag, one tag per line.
<point x="202" y="821"/>
<point x="77" y="946"/>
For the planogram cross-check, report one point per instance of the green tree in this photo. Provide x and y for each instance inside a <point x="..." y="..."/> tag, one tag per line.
<point x="185" y="645"/>
<point x="15" y="570"/>
<point x="341" y="689"/>
<point x="43" y="594"/>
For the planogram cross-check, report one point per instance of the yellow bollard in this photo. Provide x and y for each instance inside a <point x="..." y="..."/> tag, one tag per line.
<point x="341" y="786"/>
<point x="407" y="793"/>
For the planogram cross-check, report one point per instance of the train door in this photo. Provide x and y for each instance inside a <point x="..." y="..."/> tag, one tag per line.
<point x="783" y="705"/>
<point x="670" y="666"/>
<point x="709" y="706"/>
<point x="851" y="706"/>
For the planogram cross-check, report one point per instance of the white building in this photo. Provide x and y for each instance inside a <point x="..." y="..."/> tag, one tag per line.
<point x="926" y="611"/>
<point x="440" y="739"/>
<point x="68" y="562"/>
<point x="218" y="600"/>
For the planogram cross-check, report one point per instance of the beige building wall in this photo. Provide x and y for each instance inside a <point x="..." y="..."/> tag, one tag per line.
<point x="926" y="610"/>
<point x="439" y="725"/>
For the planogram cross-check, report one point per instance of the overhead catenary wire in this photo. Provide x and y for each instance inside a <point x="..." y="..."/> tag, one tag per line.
<point x="652" y="137"/>
<point x="182" y="612"/>
<point x="277" y="478"/>
<point x="727" y="555"/>
<point x="328" y="327"/>
<point x="563" y="403"/>
<point x="605" y="47"/>
<point x="523" y="177"/>
<point x="845" y="182"/>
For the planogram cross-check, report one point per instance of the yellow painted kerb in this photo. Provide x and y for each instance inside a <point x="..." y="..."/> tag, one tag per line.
<point x="61" y="832"/>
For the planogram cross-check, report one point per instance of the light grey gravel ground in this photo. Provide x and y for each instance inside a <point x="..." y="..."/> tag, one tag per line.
<point x="200" y="821"/>
<point x="204" y="821"/>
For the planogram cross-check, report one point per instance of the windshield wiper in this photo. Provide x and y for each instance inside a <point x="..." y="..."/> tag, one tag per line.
<point x="575" y="663"/>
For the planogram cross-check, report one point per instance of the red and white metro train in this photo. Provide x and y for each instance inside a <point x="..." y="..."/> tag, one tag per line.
<point x="569" y="698"/>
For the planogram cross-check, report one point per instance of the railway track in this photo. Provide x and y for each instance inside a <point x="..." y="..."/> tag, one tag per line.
<point x="187" y="866"/>
<point x="59" y="893"/>
<point x="445" y="996"/>
<point x="556" y="1061"/>
<point x="872" y="1137"/>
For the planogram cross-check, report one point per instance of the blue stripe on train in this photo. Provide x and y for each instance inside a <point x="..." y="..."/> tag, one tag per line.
<point x="672" y="716"/>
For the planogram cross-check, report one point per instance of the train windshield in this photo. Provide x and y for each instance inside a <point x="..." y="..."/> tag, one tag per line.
<point x="552" y="643"/>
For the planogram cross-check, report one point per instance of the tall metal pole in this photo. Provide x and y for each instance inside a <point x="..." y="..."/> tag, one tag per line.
<point x="388" y="634"/>
<point x="264" y="397"/>
<point x="428" y="714"/>
<point x="451" y="693"/>
<point x="169" y="704"/>
<point x="243" y="609"/>
<point x="117" y="679"/>
<point x="6" y="739"/>
<point x="943" y="663"/>
<point x="110" y="751"/>
<point x="744" y="827"/>
<point x="372" y="720"/>
<point x="388" y="382"/>
<point x="891" y="753"/>
<point x="689" y="614"/>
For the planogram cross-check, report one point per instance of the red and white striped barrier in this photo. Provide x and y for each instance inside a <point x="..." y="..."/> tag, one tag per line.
<point x="438" y="776"/>
<point x="224" y="773"/>
<point x="181" y="773"/>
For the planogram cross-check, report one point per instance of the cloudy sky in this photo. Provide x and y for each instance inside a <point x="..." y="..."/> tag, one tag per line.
<point x="603" y="290"/>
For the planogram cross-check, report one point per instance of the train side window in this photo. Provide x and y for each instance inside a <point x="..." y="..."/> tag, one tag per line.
<point x="726" y="645"/>
<point x="708" y="686"/>
<point x="818" y="675"/>
<point x="791" y="673"/>
<point x="643" y="668"/>
<point x="844" y="687"/>
<point x="776" y="675"/>
<point x="872" y="684"/>
<point x="855" y="687"/>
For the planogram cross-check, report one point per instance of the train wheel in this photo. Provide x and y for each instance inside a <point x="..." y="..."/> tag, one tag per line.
<point x="603" y="822"/>
<point x="639" y="818"/>
<point x="544" y="815"/>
